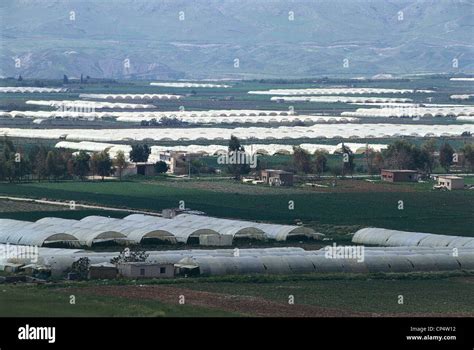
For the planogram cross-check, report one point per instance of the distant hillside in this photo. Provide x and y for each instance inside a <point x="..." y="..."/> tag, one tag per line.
<point x="398" y="37"/>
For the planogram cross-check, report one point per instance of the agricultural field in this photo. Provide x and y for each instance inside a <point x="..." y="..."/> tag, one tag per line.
<point x="215" y="160"/>
<point x="377" y="207"/>
<point x="313" y="295"/>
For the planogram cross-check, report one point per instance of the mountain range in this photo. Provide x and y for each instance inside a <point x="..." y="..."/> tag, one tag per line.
<point x="230" y="39"/>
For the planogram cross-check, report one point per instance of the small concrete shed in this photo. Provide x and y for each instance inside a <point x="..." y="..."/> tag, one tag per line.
<point x="146" y="270"/>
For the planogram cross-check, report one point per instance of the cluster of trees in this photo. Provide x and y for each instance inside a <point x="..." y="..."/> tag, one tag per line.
<point x="317" y="163"/>
<point x="165" y="122"/>
<point x="404" y="155"/>
<point x="42" y="163"/>
<point x="81" y="268"/>
<point x="468" y="159"/>
<point x="140" y="153"/>
<point x="399" y="155"/>
<point x="130" y="254"/>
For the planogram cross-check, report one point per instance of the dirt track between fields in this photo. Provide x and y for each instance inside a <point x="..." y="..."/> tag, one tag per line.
<point x="23" y="206"/>
<point x="343" y="186"/>
<point x="238" y="304"/>
<point x="243" y="305"/>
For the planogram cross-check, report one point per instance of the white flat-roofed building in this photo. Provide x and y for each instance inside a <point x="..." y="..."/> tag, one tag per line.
<point x="451" y="182"/>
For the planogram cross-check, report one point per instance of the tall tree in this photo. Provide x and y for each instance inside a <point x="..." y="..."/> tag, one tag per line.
<point x="8" y="168"/>
<point x="39" y="163"/>
<point x="468" y="152"/>
<point x="81" y="164"/>
<point x="320" y="164"/>
<point x="102" y="164"/>
<point x="120" y="163"/>
<point x="51" y="165"/>
<point x="348" y="164"/>
<point x="301" y="160"/>
<point x="428" y="150"/>
<point x="234" y="144"/>
<point x="446" y="153"/>
<point x="234" y="149"/>
<point x="23" y="165"/>
<point x="374" y="161"/>
<point x="140" y="153"/>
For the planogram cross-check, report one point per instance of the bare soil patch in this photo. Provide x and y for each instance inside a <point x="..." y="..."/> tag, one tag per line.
<point x="343" y="186"/>
<point x="244" y="305"/>
<point x="7" y="206"/>
<point x="239" y="304"/>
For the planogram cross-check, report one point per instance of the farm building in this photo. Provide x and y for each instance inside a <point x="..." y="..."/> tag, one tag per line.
<point x="146" y="169"/>
<point x="399" y="175"/>
<point x="178" y="162"/>
<point x="277" y="177"/>
<point x="145" y="270"/>
<point x="451" y="182"/>
<point x="102" y="271"/>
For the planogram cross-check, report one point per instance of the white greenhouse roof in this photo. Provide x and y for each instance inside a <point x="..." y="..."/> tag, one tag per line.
<point x="137" y="227"/>
<point x="260" y="133"/>
<point x="341" y="99"/>
<point x="412" y="111"/>
<point x="80" y="110"/>
<point x="335" y="91"/>
<point x="190" y="85"/>
<point x="285" y="260"/>
<point x="29" y="89"/>
<point x="266" y="149"/>
<point x="384" y="237"/>
<point x="131" y="96"/>
<point x="87" y="104"/>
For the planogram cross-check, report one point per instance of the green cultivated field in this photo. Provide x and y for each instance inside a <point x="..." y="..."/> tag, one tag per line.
<point x="65" y="214"/>
<point x="428" y="211"/>
<point x="32" y="301"/>
<point x="374" y="295"/>
<point x="449" y="295"/>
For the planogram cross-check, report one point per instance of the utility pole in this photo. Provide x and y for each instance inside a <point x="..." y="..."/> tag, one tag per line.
<point x="189" y="166"/>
